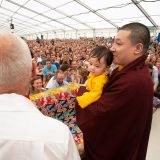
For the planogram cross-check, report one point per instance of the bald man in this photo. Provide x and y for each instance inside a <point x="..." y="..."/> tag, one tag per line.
<point x="24" y="132"/>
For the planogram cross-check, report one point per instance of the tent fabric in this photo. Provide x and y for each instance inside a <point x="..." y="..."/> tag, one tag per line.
<point x="38" y="16"/>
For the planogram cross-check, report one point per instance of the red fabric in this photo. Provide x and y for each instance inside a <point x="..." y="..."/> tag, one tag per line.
<point x="27" y="96"/>
<point x="117" y="126"/>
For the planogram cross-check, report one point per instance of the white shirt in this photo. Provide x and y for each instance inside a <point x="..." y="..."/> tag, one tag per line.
<point x="38" y="60"/>
<point x="25" y="134"/>
<point x="155" y="75"/>
<point x="52" y="83"/>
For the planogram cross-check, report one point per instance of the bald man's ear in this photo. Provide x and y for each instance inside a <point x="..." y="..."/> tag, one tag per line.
<point x="138" y="49"/>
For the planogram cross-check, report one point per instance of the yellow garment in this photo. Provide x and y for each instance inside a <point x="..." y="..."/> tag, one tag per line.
<point x="120" y="68"/>
<point x="95" y="86"/>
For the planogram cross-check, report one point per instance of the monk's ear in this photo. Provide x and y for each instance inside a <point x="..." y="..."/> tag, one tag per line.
<point x="138" y="49"/>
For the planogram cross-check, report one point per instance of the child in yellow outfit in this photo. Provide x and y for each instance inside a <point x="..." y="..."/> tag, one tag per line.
<point x="99" y="62"/>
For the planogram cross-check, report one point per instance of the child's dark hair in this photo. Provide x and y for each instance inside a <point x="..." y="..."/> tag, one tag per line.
<point x="102" y="51"/>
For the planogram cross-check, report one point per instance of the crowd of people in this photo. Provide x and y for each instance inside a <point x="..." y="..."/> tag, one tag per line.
<point x="115" y="123"/>
<point x="59" y="62"/>
<point x="71" y="57"/>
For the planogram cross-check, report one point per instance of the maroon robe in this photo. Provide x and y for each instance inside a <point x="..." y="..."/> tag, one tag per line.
<point x="117" y="126"/>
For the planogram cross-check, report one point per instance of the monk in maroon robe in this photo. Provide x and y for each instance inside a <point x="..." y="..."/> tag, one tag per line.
<point x="117" y="126"/>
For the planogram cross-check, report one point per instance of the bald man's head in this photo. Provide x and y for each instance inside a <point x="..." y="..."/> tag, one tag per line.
<point x="15" y="64"/>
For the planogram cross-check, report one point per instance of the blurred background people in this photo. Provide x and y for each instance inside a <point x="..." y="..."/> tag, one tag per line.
<point x="36" y="85"/>
<point x="58" y="80"/>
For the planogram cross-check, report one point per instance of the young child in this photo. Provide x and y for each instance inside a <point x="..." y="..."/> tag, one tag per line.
<point x="99" y="62"/>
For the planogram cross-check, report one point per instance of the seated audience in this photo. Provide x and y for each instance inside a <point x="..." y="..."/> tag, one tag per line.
<point x="65" y="59"/>
<point x="83" y="74"/>
<point x="36" y="85"/>
<point x="39" y="69"/>
<point x="48" y="71"/>
<point x="66" y="69"/>
<point x="74" y="72"/>
<point x="57" y="81"/>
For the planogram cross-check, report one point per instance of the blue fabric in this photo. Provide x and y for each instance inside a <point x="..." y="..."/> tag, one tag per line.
<point x="158" y="38"/>
<point x="57" y="64"/>
<point x="52" y="69"/>
<point x="68" y="79"/>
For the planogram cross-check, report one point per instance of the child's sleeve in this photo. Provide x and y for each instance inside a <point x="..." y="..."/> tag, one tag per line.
<point x="89" y="97"/>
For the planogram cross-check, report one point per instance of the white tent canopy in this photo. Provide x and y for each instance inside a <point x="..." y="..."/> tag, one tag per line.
<point x="75" y="17"/>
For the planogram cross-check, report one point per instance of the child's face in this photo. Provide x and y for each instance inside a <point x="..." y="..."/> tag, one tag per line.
<point x="97" y="67"/>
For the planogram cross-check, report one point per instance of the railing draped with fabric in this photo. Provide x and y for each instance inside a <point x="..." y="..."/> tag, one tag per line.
<point x="60" y="104"/>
